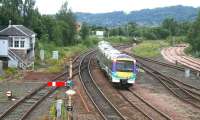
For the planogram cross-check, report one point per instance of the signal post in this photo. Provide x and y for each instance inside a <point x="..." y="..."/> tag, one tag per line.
<point x="70" y="92"/>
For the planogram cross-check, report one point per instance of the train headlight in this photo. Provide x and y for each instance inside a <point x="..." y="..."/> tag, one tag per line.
<point x="115" y="78"/>
<point x="115" y="74"/>
<point x="133" y="77"/>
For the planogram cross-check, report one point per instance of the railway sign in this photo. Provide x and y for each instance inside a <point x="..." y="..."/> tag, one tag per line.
<point x="55" y="55"/>
<point x="42" y="55"/>
<point x="70" y="92"/>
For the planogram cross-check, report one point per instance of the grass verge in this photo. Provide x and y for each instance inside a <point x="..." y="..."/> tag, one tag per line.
<point x="150" y="48"/>
<point x="56" y="66"/>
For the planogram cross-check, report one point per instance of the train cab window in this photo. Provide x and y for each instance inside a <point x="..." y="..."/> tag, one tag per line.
<point x="124" y="66"/>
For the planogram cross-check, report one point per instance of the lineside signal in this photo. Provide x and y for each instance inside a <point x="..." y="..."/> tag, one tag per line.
<point x="57" y="84"/>
<point x="69" y="83"/>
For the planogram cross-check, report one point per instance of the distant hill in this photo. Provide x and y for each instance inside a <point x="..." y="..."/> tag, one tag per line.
<point x="147" y="17"/>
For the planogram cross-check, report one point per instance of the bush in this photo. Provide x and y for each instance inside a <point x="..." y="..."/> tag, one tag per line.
<point x="10" y="71"/>
<point x="118" y="39"/>
<point x="176" y="40"/>
<point x="2" y="78"/>
<point x="52" y="111"/>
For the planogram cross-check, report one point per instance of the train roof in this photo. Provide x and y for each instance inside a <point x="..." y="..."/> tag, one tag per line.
<point x="112" y="53"/>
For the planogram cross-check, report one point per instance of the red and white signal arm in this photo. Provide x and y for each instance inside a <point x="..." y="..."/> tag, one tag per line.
<point x="57" y="84"/>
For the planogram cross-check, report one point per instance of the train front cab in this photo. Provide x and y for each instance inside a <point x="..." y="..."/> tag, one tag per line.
<point x="124" y="72"/>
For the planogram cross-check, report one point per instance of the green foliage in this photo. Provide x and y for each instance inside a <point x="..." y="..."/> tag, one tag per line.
<point x="183" y="28"/>
<point x="90" y="42"/>
<point x="64" y="52"/>
<point x="119" y="39"/>
<point x="149" y="48"/>
<point x="2" y="78"/>
<point x="193" y="36"/>
<point x="170" y="24"/>
<point x="11" y="10"/>
<point x="54" y="69"/>
<point x="155" y="33"/>
<point x="84" y="33"/>
<point x="172" y="40"/>
<point x="29" y="13"/>
<point x="63" y="112"/>
<point x="52" y="111"/>
<point x="67" y="20"/>
<point x="60" y="29"/>
<point x="10" y="71"/>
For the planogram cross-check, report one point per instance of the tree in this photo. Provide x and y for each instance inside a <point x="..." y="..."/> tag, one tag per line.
<point x="11" y="10"/>
<point x="29" y="12"/>
<point x="67" y="18"/>
<point x="183" y="28"/>
<point x="84" y="33"/>
<point x="49" y="23"/>
<point x="193" y="36"/>
<point x="131" y="29"/>
<point x="170" y="24"/>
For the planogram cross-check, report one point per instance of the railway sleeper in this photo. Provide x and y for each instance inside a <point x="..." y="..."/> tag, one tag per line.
<point x="172" y="88"/>
<point x="41" y="94"/>
<point x="35" y="98"/>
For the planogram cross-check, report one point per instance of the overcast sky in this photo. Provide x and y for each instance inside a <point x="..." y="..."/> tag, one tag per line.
<point x="101" y="6"/>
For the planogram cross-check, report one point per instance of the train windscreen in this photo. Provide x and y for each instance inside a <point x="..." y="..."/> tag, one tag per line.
<point x="124" y="66"/>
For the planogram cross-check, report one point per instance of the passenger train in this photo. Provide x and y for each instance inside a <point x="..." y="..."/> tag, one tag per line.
<point x="120" y="68"/>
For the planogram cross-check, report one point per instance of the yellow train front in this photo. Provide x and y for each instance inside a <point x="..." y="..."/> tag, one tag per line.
<point x="124" y="70"/>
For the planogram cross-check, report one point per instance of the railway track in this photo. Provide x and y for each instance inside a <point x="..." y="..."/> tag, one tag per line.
<point x="183" y="91"/>
<point x="183" y="84"/>
<point x="175" y="54"/>
<point x="158" y="62"/>
<point x="106" y="109"/>
<point x="23" y="107"/>
<point x="142" y="105"/>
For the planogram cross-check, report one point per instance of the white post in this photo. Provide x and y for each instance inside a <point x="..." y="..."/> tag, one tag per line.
<point x="187" y="72"/>
<point x="33" y="52"/>
<point x="42" y="55"/>
<point x="70" y="69"/>
<point x="59" y="108"/>
<point x="65" y="67"/>
<point x="1" y="67"/>
<point x="197" y="74"/>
